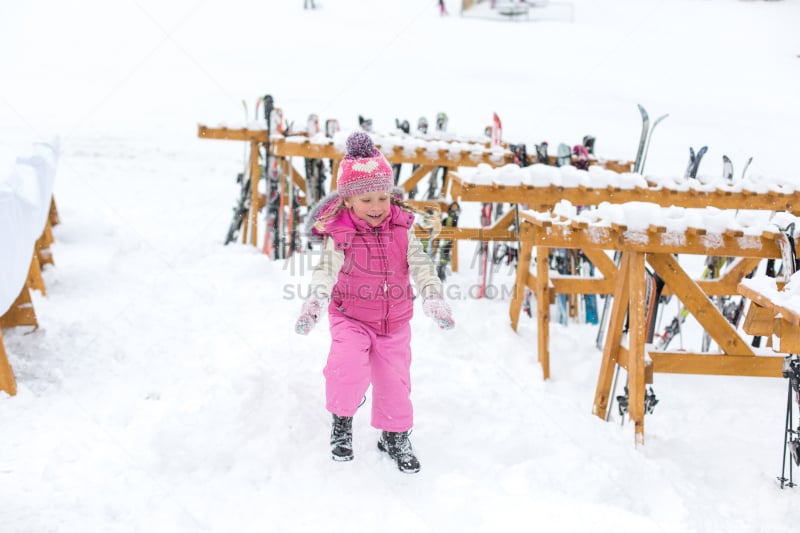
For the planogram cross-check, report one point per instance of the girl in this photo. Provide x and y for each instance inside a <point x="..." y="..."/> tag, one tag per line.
<point x="370" y="253"/>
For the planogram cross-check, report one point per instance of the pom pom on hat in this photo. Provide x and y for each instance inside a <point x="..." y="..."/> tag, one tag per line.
<point x="359" y="146"/>
<point x="363" y="169"/>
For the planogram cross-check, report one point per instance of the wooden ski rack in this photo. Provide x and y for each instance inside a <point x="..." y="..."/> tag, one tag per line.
<point x="428" y="155"/>
<point x="540" y="232"/>
<point x="542" y="198"/>
<point x="300" y="146"/>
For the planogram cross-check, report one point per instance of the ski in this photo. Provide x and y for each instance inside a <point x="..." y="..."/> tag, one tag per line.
<point x="272" y="235"/>
<point x="786" y="243"/>
<point x="746" y="166"/>
<point x="242" y="206"/>
<point x="694" y="161"/>
<point x="588" y="143"/>
<point x="727" y="168"/>
<point x="487" y="208"/>
<point x="402" y="127"/>
<point x="647" y="142"/>
<point x="446" y="246"/>
<point x="791" y="364"/>
<point x="497" y="130"/>
<point x="642" y="138"/>
<point x="581" y="157"/>
<point x="315" y="168"/>
<point x="365" y="123"/>
<point x="637" y="165"/>
<point x="441" y="121"/>
<point x="559" y="262"/>
<point x="563" y="155"/>
<point x="541" y="153"/>
<point x="331" y="127"/>
<point x="483" y="250"/>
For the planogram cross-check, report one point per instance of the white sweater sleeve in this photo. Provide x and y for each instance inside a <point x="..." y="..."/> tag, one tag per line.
<point x="421" y="267"/>
<point x="327" y="271"/>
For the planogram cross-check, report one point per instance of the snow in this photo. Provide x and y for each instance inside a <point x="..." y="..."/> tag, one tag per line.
<point x="164" y="389"/>
<point x="787" y="297"/>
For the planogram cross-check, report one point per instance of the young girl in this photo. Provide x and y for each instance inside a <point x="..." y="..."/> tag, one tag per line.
<point x="370" y="252"/>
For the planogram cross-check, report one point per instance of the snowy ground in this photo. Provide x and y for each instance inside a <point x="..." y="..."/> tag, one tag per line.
<point x="164" y="390"/>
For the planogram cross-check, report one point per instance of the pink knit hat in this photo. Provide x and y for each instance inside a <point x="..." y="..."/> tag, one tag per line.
<point x="363" y="169"/>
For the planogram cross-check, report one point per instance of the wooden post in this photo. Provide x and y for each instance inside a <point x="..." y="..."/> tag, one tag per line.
<point x="35" y="280"/>
<point x="255" y="173"/>
<point x="523" y="267"/>
<point x="7" y="381"/>
<point x="21" y="312"/>
<point x="334" y="172"/>
<point x="636" y="339"/>
<point x="53" y="214"/>
<point x="619" y="310"/>
<point x="543" y="308"/>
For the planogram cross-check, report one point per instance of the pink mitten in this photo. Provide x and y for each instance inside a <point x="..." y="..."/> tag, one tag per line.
<point x="437" y="309"/>
<point x="309" y="314"/>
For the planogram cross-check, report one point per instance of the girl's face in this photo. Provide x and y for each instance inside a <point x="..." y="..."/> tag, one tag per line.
<point x="372" y="207"/>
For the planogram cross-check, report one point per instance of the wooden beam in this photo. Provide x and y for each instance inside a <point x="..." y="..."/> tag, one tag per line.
<point x="523" y="268"/>
<point x="653" y="193"/>
<point x="728" y="284"/>
<point x="35" y="280"/>
<point x="21" y="312"/>
<point x="759" y="321"/>
<point x="52" y="215"/>
<point x="788" y="336"/>
<point x="243" y="134"/>
<point x="416" y="176"/>
<point x="578" y="285"/>
<point x="470" y="234"/>
<point x="299" y="181"/>
<point x="543" y="309"/>
<point x="602" y="262"/>
<point x="716" y="365"/>
<point x="439" y="206"/>
<point x="788" y="314"/>
<point x="252" y="215"/>
<point x="610" y="238"/>
<point x="7" y="381"/>
<point x="611" y="348"/>
<point x="698" y="304"/>
<point x="422" y="155"/>
<point x="637" y="336"/>
<point x="622" y="360"/>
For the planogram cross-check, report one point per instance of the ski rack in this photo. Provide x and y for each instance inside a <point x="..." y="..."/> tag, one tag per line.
<point x="540" y="232"/>
<point x="470" y="154"/>
<point x="544" y="198"/>
<point x="429" y="153"/>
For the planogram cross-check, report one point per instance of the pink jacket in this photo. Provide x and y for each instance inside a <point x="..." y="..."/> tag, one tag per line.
<point x="373" y="283"/>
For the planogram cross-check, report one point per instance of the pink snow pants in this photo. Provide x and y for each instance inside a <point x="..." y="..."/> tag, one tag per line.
<point x="358" y="357"/>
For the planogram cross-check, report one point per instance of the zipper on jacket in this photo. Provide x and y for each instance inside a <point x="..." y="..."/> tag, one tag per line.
<point x="385" y="282"/>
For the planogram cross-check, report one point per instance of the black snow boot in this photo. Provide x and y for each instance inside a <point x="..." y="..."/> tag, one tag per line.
<point x="342" y="438"/>
<point x="397" y="445"/>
